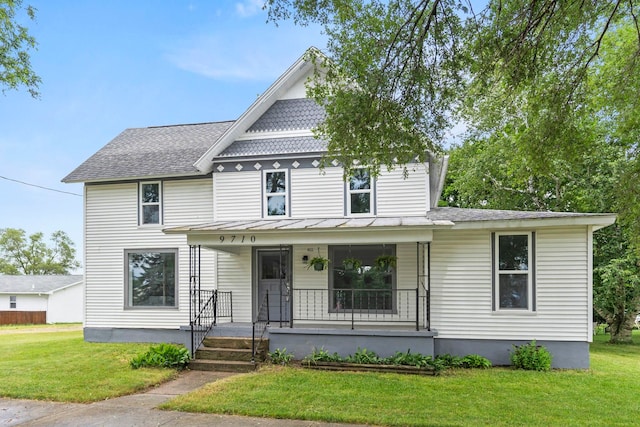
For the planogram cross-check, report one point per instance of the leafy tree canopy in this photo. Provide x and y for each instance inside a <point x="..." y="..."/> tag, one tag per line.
<point x="401" y="73"/>
<point x="20" y="254"/>
<point x="15" y="44"/>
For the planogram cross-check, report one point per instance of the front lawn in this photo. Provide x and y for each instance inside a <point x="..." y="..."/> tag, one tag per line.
<point x="61" y="366"/>
<point x="608" y="394"/>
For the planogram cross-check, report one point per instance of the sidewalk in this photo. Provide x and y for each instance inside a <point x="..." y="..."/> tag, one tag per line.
<point x="134" y="410"/>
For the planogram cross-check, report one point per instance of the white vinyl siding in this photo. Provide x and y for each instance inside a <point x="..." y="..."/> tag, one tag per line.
<point x="111" y="226"/>
<point x="397" y="196"/>
<point x="237" y="195"/>
<point x="234" y="274"/>
<point x="461" y="293"/>
<point x="314" y="194"/>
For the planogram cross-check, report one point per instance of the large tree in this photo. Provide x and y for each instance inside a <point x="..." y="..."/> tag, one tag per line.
<point x="15" y="45"/>
<point x="20" y="254"/>
<point x="402" y="72"/>
<point x="547" y="89"/>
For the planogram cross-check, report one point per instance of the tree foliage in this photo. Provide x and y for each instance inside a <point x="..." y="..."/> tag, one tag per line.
<point x="15" y="44"/>
<point x="617" y="295"/>
<point x="401" y="73"/>
<point x="547" y="89"/>
<point x="20" y="254"/>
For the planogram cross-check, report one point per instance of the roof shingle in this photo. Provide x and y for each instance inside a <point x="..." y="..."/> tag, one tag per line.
<point x="36" y="284"/>
<point x="150" y="152"/>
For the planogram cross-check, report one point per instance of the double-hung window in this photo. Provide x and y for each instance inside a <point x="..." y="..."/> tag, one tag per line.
<point x="12" y="301"/>
<point x="150" y="203"/>
<point x="276" y="196"/>
<point x="360" y="193"/>
<point x="513" y="265"/>
<point x="151" y="278"/>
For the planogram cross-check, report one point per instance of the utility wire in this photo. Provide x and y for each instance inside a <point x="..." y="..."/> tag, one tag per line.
<point x="40" y="186"/>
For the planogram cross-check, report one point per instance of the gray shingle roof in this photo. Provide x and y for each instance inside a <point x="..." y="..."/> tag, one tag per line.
<point x="150" y="152"/>
<point x="36" y="284"/>
<point x="272" y="146"/>
<point x="467" y="215"/>
<point x="289" y="114"/>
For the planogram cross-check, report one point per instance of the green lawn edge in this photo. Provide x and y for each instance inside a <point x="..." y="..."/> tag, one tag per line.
<point x="61" y="366"/>
<point x="607" y="394"/>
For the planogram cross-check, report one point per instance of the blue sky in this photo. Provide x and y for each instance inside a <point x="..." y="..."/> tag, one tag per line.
<point x="114" y="64"/>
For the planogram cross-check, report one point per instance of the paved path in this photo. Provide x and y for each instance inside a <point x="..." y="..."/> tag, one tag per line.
<point x="133" y="410"/>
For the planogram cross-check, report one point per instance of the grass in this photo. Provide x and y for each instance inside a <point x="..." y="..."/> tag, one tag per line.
<point x="608" y="394"/>
<point x="61" y="366"/>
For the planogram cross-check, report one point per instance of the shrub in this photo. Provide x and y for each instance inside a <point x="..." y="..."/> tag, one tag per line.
<point x="321" y="355"/>
<point x="409" y="359"/>
<point x="531" y="357"/>
<point x="364" y="356"/>
<point x="450" y="361"/>
<point x="280" y="357"/>
<point x="162" y="356"/>
<point x="475" y="361"/>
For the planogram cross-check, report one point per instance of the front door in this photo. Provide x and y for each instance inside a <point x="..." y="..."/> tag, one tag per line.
<point x="274" y="278"/>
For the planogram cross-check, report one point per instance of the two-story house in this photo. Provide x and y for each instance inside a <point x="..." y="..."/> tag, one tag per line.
<point x="235" y="214"/>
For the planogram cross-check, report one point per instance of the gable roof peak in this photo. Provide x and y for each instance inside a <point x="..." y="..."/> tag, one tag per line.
<point x="292" y="75"/>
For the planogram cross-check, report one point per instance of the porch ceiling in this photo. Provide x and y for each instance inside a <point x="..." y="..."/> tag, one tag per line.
<point x="229" y="236"/>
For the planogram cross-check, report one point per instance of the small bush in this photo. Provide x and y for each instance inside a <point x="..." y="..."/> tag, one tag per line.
<point x="162" y="356"/>
<point x="474" y="361"/>
<point x="321" y="355"/>
<point x="409" y="359"/>
<point x="531" y="357"/>
<point x="450" y="361"/>
<point x="364" y="356"/>
<point x="280" y="357"/>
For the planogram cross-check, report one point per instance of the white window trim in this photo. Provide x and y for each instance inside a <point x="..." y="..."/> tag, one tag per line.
<point x="13" y="302"/>
<point x="141" y="204"/>
<point x="530" y="272"/>
<point x="265" y="195"/>
<point x="349" y="192"/>
<point x="127" y="285"/>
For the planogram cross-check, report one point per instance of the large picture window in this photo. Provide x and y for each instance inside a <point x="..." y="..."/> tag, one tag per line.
<point x="513" y="268"/>
<point x="360" y="193"/>
<point x="150" y="203"/>
<point x="151" y="278"/>
<point x="362" y="277"/>
<point x="275" y="193"/>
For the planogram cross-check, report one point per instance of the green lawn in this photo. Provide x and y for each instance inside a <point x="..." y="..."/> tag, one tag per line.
<point x="608" y="394"/>
<point x="60" y="366"/>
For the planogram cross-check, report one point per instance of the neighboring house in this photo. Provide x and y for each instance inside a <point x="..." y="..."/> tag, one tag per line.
<point x="242" y="207"/>
<point x="41" y="299"/>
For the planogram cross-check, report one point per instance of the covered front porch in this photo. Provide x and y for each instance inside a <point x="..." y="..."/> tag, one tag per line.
<point x="267" y="270"/>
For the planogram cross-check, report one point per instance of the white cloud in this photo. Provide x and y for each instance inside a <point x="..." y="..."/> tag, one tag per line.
<point x="249" y="7"/>
<point x="258" y="54"/>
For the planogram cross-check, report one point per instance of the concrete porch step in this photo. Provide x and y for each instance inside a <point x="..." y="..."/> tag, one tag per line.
<point x="228" y="354"/>
<point x="216" y="353"/>
<point x="222" y="365"/>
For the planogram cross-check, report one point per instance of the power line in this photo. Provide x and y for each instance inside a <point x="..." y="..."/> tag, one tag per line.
<point x="40" y="186"/>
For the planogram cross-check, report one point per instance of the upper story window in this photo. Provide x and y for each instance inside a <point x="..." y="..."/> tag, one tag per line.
<point x="275" y="193"/>
<point x="514" y="275"/>
<point x="150" y="203"/>
<point x="360" y="193"/>
<point x="12" y="301"/>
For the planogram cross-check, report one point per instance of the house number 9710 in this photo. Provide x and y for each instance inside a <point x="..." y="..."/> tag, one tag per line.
<point x="237" y="239"/>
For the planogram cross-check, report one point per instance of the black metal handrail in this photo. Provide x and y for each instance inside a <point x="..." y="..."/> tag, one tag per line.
<point x="260" y="324"/>
<point x="356" y="305"/>
<point x="207" y="307"/>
